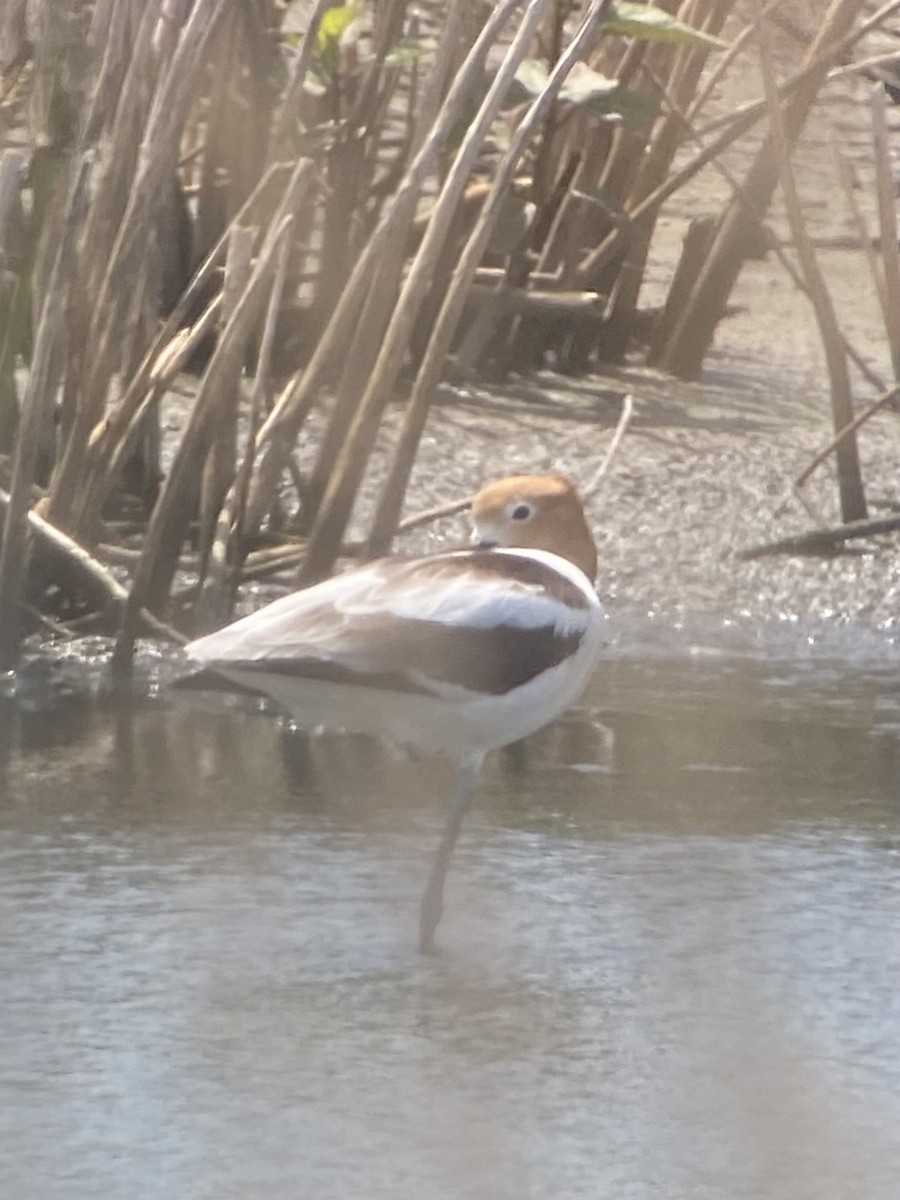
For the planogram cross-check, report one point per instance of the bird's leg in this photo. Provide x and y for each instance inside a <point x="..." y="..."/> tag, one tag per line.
<point x="433" y="896"/>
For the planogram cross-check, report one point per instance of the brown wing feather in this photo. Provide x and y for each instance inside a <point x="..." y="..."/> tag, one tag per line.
<point x="489" y="623"/>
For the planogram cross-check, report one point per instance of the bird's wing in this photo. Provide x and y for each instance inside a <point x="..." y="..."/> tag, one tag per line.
<point x="470" y="620"/>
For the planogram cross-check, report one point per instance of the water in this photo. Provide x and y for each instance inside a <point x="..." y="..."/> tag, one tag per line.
<point x="671" y="956"/>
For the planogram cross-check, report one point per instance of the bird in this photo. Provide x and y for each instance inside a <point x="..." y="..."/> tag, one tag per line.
<point x="460" y="651"/>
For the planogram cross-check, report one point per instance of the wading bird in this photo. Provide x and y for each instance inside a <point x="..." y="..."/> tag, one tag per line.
<point x="459" y="652"/>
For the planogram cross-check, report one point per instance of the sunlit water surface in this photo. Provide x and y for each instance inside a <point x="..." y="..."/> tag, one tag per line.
<point x="670" y="968"/>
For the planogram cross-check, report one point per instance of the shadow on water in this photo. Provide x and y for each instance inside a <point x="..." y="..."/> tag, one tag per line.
<point x="670" y="955"/>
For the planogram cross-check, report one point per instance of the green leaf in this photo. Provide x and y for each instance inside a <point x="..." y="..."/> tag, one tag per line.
<point x="583" y="83"/>
<point x="650" y="24"/>
<point x="586" y="88"/>
<point x="532" y="75"/>
<point x="337" y="27"/>
<point x="335" y="23"/>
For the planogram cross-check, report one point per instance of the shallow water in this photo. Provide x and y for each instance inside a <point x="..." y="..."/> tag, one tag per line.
<point x="671" y="956"/>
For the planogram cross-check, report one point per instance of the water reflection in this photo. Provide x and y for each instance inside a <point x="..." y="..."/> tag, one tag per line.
<point x="670" y="968"/>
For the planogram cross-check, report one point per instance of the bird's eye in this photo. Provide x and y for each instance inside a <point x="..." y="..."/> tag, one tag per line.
<point x="521" y="512"/>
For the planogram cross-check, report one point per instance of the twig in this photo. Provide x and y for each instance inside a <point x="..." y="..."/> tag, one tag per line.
<point x="100" y="586"/>
<point x="798" y="494"/>
<point x="860" y="419"/>
<point x="223" y="568"/>
<point x="822" y="541"/>
<point x="887" y="222"/>
<point x="57" y="628"/>
<point x="172" y="357"/>
<point x="280" y="558"/>
<point x="877" y="18"/>
<point x="262" y="563"/>
<point x="845" y="175"/>
<point x="535" y="303"/>
<point x="721" y="65"/>
<point x="864" y="65"/>
<point x="429" y="515"/>
<point x="593" y="484"/>
<point x="220" y="468"/>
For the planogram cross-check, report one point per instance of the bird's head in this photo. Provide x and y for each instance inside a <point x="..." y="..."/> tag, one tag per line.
<point x="535" y="512"/>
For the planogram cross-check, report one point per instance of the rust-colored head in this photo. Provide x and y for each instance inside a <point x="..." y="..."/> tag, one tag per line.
<point x="535" y="512"/>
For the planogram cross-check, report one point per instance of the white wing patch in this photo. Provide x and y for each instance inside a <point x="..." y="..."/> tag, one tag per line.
<point x="444" y="591"/>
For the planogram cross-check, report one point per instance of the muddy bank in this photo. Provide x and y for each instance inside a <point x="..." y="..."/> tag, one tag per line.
<point x="702" y="473"/>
